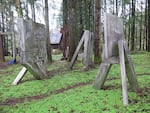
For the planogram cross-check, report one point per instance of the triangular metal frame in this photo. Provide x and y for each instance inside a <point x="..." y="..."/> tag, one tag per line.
<point x="88" y="41"/>
<point x="126" y="67"/>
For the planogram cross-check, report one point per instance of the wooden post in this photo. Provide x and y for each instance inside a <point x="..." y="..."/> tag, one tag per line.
<point x="19" y="76"/>
<point x="123" y="72"/>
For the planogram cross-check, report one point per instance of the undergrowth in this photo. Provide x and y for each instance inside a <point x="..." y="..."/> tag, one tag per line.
<point x="71" y="91"/>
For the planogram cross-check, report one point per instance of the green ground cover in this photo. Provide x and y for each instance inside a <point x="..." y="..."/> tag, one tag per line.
<point x="71" y="91"/>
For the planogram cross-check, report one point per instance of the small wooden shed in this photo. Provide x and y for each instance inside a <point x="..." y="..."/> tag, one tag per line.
<point x="55" y="40"/>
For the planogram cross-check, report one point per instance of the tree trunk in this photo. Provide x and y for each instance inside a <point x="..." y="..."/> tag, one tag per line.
<point x="97" y="32"/>
<point x="117" y="7"/>
<point x="148" y="25"/>
<point x="65" y="12"/>
<point x="136" y="37"/>
<point x="144" y="41"/>
<point x="3" y="30"/>
<point x="33" y="12"/>
<point x="129" y="28"/>
<point x="49" y="56"/>
<point x="2" y="49"/>
<point x="72" y="27"/>
<point x="13" y="37"/>
<point x="140" y="42"/>
<point x="133" y="25"/>
<point x="105" y="6"/>
<point x="19" y="9"/>
<point x="2" y="59"/>
<point x="113" y="7"/>
<point x="26" y="10"/>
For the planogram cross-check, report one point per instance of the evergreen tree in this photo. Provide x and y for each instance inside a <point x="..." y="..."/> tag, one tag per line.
<point x="47" y="32"/>
<point x="148" y="25"/>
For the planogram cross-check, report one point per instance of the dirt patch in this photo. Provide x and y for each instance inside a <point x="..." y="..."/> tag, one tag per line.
<point x="110" y="87"/>
<point x="71" y="87"/>
<point x="144" y="92"/>
<point x="57" y="71"/>
<point x="3" y="65"/>
<point x="15" y="101"/>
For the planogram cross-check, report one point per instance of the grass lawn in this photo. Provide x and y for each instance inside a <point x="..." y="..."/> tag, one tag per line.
<point x="71" y="91"/>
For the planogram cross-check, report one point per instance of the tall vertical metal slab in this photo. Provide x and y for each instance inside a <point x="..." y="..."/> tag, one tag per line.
<point x="33" y="47"/>
<point x="115" y="51"/>
<point x="88" y="49"/>
<point x="113" y="31"/>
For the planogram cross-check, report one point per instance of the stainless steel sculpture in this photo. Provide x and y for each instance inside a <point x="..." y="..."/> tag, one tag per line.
<point x="116" y="51"/>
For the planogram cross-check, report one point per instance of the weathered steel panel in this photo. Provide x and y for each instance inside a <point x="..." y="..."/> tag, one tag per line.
<point x="116" y="51"/>
<point x="113" y="30"/>
<point x="33" y="47"/>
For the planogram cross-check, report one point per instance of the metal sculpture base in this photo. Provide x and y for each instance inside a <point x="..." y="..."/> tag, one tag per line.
<point x="126" y="67"/>
<point x="33" y="50"/>
<point x="88" y="41"/>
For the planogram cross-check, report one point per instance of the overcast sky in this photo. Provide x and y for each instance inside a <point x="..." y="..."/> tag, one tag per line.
<point x="54" y="11"/>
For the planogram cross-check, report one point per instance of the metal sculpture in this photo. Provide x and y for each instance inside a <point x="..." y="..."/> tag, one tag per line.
<point x="116" y="51"/>
<point x="32" y="49"/>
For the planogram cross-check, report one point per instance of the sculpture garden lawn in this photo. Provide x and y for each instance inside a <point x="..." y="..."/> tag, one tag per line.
<point x="71" y="91"/>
